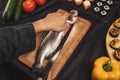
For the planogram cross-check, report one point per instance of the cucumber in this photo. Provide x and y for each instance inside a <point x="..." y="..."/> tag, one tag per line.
<point x="9" y="10"/>
<point x="18" y="10"/>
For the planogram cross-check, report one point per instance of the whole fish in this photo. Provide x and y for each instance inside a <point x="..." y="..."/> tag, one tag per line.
<point x="50" y="44"/>
<point x="47" y="47"/>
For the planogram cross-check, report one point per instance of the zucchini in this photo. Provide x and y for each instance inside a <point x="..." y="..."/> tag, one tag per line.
<point x="9" y="10"/>
<point x="18" y="10"/>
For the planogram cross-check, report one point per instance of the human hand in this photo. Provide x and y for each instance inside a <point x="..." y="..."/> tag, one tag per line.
<point x="56" y="21"/>
<point x="53" y="21"/>
<point x="48" y="78"/>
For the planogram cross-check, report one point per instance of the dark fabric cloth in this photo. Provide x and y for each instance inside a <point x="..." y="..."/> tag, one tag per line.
<point x="16" y="40"/>
<point x="10" y="72"/>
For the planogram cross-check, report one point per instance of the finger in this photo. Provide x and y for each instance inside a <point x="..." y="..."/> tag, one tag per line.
<point x="49" y="76"/>
<point x="66" y="15"/>
<point x="60" y="13"/>
<point x="67" y="24"/>
<point x="39" y="78"/>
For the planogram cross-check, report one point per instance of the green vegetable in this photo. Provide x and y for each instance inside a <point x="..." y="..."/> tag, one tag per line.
<point x="18" y="10"/>
<point x="9" y="10"/>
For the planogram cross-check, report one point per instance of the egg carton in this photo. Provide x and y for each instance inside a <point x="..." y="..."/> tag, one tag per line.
<point x="101" y="10"/>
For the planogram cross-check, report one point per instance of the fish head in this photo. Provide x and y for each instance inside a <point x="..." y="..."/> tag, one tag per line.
<point x="73" y="17"/>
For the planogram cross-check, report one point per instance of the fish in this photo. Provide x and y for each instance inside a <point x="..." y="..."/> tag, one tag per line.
<point x="49" y="44"/>
<point x="47" y="47"/>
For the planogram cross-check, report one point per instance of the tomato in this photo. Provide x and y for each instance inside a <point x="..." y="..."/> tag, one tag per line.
<point x="40" y="2"/>
<point x="29" y="6"/>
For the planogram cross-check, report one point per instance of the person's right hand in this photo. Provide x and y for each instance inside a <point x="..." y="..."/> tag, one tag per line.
<point x="53" y="21"/>
<point x="56" y="21"/>
<point x="48" y="78"/>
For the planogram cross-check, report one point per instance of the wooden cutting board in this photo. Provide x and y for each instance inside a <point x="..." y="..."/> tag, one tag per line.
<point x="76" y="35"/>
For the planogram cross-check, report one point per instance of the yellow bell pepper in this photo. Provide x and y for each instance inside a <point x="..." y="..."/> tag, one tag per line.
<point x="106" y="69"/>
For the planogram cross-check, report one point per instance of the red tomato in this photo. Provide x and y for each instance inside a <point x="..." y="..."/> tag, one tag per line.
<point x="40" y="2"/>
<point x="29" y="6"/>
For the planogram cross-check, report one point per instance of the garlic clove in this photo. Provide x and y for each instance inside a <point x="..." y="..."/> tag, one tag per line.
<point x="69" y="0"/>
<point x="86" y="4"/>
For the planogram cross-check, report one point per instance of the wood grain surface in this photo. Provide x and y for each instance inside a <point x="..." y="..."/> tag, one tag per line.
<point x="76" y="35"/>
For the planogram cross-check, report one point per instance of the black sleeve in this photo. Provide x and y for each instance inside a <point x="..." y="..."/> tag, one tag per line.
<point x="15" y="40"/>
<point x="119" y="12"/>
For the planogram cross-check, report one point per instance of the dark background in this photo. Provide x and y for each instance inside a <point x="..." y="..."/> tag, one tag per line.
<point x="80" y="64"/>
